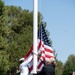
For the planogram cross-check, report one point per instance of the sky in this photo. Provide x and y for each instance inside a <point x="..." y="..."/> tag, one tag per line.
<point x="60" y="18"/>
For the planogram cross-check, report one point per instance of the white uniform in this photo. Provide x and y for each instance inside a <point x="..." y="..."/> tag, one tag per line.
<point x="24" y="68"/>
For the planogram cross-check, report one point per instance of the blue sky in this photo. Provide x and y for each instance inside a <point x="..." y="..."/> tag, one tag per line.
<point x="60" y="18"/>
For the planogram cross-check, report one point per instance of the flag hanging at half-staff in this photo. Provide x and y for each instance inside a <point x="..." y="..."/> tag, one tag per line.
<point x="43" y="47"/>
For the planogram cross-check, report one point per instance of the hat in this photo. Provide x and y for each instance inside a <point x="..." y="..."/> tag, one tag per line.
<point x="21" y="59"/>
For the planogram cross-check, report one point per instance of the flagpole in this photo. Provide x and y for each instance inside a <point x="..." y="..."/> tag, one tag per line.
<point x="35" y="25"/>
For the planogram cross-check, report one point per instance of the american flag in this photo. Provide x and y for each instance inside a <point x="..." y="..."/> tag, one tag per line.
<point x="44" y="47"/>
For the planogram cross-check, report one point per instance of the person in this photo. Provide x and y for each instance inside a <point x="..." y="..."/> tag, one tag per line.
<point x="54" y="64"/>
<point x="24" y="66"/>
<point x="48" y="68"/>
<point x="17" y="71"/>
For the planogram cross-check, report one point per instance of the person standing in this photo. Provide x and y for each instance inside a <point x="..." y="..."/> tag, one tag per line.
<point x="48" y="68"/>
<point x="24" y="66"/>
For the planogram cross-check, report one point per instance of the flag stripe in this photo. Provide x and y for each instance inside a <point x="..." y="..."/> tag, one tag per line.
<point x="30" y="51"/>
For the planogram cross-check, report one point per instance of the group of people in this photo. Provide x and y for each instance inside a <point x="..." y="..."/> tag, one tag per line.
<point x="48" y="68"/>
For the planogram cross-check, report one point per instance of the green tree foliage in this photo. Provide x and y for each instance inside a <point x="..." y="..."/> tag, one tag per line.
<point x="20" y="37"/>
<point x="69" y="66"/>
<point x="3" y="39"/>
<point x="59" y="67"/>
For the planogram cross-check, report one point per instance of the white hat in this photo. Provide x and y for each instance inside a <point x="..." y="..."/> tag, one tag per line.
<point x="21" y="59"/>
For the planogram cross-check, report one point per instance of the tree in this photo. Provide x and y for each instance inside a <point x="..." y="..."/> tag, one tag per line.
<point x="3" y="39"/>
<point x="59" y="67"/>
<point x="20" y="34"/>
<point x="69" y="66"/>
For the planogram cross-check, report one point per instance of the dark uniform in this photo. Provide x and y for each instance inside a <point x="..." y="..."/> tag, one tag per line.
<point x="47" y="70"/>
